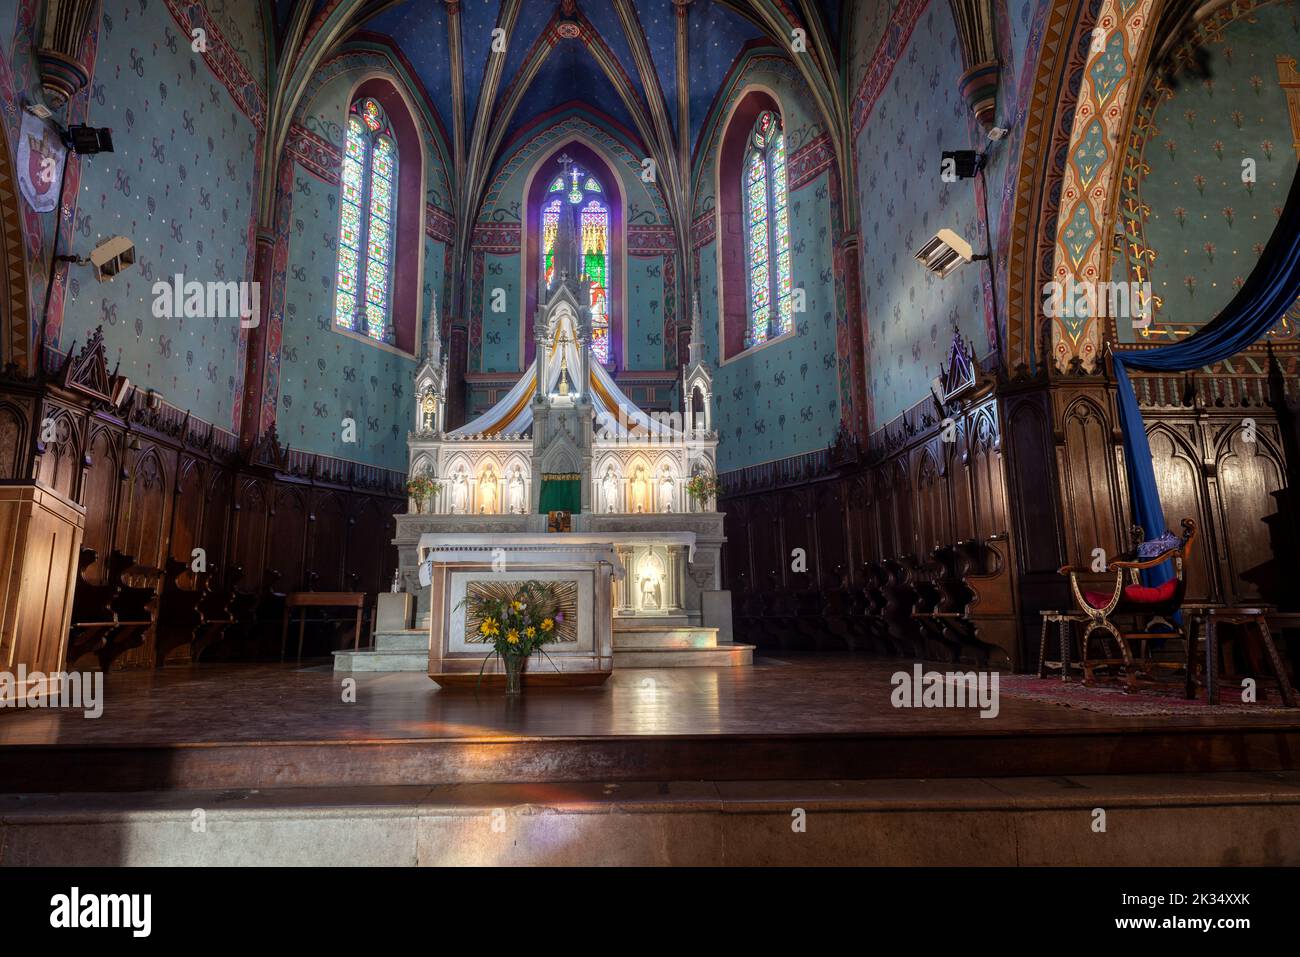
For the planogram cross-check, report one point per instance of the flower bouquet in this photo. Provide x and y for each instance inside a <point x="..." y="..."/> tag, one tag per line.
<point x="421" y="487"/>
<point x="516" y="625"/>
<point x="703" y="487"/>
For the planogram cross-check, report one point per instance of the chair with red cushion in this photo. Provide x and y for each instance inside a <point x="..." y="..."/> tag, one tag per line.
<point x="1152" y="607"/>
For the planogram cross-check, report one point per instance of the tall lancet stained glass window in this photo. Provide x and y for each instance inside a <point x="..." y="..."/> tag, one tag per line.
<point x="767" y="232"/>
<point x="363" y="295"/>
<point x="577" y="188"/>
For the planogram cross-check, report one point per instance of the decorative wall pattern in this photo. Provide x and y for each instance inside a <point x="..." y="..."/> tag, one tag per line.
<point x="1193" y="228"/>
<point x="1095" y="148"/>
<point x="180" y="184"/>
<point x="902" y="202"/>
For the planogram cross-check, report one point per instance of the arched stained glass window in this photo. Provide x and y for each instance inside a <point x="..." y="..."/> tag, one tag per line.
<point x="363" y="295"/>
<point x="767" y="232"/>
<point x="579" y="188"/>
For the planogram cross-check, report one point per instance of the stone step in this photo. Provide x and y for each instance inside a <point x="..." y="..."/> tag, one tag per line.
<point x="1250" y="819"/>
<point x="410" y="639"/>
<point x="658" y="621"/>
<point x="724" y="655"/>
<point x="648" y="637"/>
<point x="382" y="660"/>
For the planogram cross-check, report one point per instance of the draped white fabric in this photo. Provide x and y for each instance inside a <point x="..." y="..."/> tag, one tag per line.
<point x="616" y="415"/>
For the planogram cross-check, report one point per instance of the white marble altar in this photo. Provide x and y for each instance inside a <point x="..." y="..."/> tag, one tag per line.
<point x="566" y="420"/>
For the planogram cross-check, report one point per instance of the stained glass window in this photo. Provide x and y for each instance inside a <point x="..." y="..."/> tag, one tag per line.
<point x="584" y="191"/>
<point x="368" y="198"/>
<point x="767" y="232"/>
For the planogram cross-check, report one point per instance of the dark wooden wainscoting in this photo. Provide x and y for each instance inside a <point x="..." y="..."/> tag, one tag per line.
<point x="158" y="485"/>
<point x="1029" y="472"/>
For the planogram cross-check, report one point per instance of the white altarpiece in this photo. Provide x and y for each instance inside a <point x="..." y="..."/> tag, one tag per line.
<point x="567" y="417"/>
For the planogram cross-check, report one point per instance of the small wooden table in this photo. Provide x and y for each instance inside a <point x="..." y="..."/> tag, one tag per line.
<point x="1245" y="616"/>
<point x="1063" y="621"/>
<point x="320" y="599"/>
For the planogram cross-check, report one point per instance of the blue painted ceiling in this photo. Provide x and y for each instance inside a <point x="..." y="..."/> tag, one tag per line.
<point x="716" y="35"/>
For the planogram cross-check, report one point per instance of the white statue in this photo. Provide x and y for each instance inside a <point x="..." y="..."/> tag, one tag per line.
<point x="459" y="494"/>
<point x="516" y="498"/>
<point x="640" y="491"/>
<point x="609" y="489"/>
<point x="487" y="493"/>
<point x="650" y="591"/>
<point x="666" y="492"/>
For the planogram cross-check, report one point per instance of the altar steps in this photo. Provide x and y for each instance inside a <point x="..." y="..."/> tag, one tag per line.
<point x="1248" y="818"/>
<point x="406" y="650"/>
<point x="638" y="644"/>
<point x="665" y="644"/>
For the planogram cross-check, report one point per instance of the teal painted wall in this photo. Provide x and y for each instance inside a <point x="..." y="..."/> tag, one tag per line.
<point x="501" y="348"/>
<point x="327" y="375"/>
<point x="180" y="184"/>
<point x="902" y="202"/>
<point x="781" y="399"/>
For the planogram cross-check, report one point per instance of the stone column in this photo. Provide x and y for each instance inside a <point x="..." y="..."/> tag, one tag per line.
<point x="676" y="568"/>
<point x="623" y="605"/>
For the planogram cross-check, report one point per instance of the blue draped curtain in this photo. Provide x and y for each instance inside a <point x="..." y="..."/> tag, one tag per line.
<point x="1271" y="290"/>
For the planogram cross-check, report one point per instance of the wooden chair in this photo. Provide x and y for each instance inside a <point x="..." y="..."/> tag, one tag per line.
<point x="1150" y="607"/>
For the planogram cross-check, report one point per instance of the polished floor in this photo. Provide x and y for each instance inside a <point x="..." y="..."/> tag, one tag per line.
<point x="779" y="696"/>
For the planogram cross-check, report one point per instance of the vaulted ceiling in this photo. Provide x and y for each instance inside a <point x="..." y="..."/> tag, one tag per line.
<point x="653" y="71"/>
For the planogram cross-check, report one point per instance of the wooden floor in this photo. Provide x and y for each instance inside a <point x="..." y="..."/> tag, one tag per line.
<point x="784" y="718"/>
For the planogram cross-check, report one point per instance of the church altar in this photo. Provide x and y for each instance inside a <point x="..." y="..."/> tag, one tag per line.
<point x="567" y="440"/>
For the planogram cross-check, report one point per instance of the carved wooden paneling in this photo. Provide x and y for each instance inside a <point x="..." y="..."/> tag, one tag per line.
<point x="145" y="509"/>
<point x="60" y="465"/>
<point x="329" y="540"/>
<point x="13" y="439"/>
<point x="289" y="535"/>
<point x="249" y="542"/>
<point x="1088" y="477"/>
<point x="187" y="510"/>
<point x="101" y="500"/>
<point x="932" y="505"/>
<point x="1179" y="479"/>
<point x="1259" y="556"/>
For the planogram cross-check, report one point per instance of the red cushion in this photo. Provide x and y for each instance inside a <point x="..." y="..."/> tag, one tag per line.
<point x="1135" y="594"/>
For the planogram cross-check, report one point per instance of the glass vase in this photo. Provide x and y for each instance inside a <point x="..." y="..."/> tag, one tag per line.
<point x="514" y="673"/>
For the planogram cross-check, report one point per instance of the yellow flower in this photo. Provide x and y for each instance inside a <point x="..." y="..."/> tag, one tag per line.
<point x="547" y="624"/>
<point x="487" y="626"/>
<point x="530" y="631"/>
<point x="512" y="636"/>
<point x="517" y="605"/>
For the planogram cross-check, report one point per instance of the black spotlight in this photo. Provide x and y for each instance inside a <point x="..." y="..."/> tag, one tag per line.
<point x="89" y="140"/>
<point x="964" y="163"/>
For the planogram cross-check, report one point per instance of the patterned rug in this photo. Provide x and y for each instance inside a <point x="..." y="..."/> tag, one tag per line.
<point x="1112" y="699"/>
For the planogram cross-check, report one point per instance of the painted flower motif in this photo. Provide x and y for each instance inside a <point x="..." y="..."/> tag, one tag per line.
<point x="1199" y="182"/>
<point x="1238" y="118"/>
<point x="1217" y="146"/>
<point x="1180" y="214"/>
<point x="1256" y="84"/>
<point x="1209" y="251"/>
<point x="1238" y="282"/>
<point x="1190" y="116"/>
<point x="1172" y="147"/>
<point x="1228" y="214"/>
<point x="1267" y="147"/>
<point x="1190" y="283"/>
